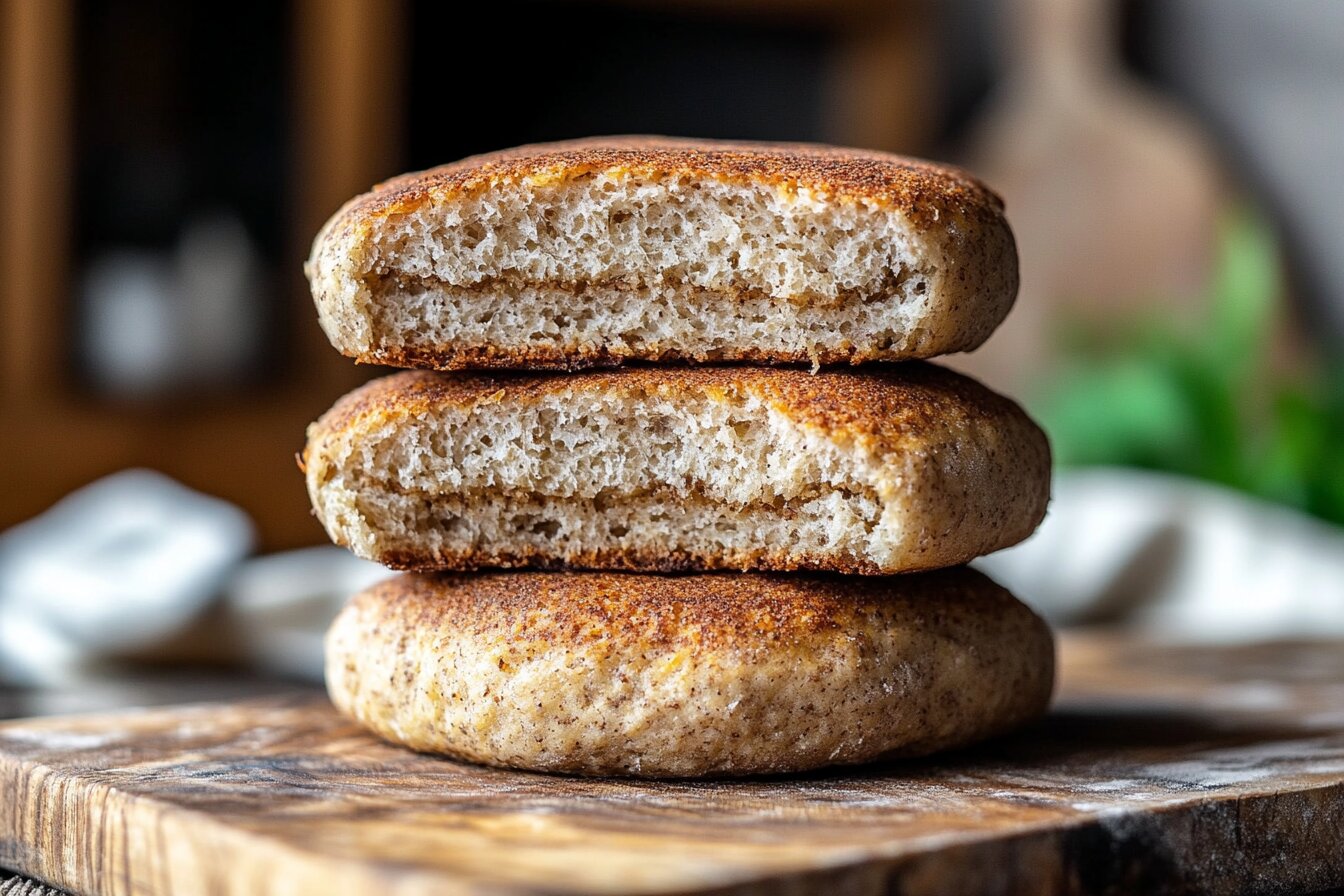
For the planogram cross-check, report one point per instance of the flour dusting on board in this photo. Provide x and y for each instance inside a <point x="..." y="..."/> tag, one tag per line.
<point x="55" y="739"/>
<point x="1254" y="762"/>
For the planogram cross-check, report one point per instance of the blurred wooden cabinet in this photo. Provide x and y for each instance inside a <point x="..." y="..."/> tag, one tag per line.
<point x="122" y="119"/>
<point x="338" y="73"/>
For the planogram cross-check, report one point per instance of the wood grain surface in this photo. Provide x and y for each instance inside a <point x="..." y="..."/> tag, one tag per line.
<point x="1215" y="770"/>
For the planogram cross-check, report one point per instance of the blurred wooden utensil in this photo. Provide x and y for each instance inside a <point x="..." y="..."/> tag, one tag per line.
<point x="1113" y="193"/>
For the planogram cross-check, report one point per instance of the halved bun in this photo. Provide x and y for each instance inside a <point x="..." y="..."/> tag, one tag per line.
<point x="594" y="252"/>
<point x="878" y="470"/>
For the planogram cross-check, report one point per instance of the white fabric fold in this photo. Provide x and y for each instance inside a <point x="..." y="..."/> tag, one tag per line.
<point x="1179" y="559"/>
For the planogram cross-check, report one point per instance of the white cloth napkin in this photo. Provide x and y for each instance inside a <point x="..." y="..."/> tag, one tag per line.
<point x="127" y="561"/>
<point x="138" y="564"/>
<point x="1179" y="559"/>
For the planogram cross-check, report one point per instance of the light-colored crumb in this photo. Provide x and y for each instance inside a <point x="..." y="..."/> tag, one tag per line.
<point x="573" y="264"/>
<point x="697" y="473"/>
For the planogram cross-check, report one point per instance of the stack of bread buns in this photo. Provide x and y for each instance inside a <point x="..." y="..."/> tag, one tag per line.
<point x="676" y="493"/>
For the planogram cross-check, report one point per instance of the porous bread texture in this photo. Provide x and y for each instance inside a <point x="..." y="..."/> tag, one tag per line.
<point x="705" y="271"/>
<point x="668" y="470"/>
<point x="566" y="264"/>
<point x="711" y="675"/>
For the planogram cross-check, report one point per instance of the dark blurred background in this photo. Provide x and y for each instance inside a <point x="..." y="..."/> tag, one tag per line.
<point x="1170" y="166"/>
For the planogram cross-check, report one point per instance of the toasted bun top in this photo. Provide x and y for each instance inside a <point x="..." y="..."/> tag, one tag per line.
<point x="888" y="409"/>
<point x="573" y="609"/>
<point x="923" y="191"/>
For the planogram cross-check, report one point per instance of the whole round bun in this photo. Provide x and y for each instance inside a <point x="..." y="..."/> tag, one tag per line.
<point x="705" y="675"/>
<point x="598" y="251"/>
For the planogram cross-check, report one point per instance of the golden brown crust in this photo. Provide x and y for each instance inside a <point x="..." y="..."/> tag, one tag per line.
<point x="575" y="357"/>
<point x="656" y="560"/>
<point x="924" y="191"/>
<point x="889" y="408"/>
<point x="709" y="675"/>
<point x="743" y="611"/>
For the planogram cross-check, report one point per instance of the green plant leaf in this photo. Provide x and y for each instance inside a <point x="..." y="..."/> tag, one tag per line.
<point x="1200" y="400"/>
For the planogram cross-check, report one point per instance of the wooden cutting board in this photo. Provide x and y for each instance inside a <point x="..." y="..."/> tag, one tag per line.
<point x="1186" y="769"/>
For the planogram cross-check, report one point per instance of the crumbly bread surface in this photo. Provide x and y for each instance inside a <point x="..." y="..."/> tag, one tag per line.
<point x="594" y="252"/>
<point x="878" y="470"/>
<point x="705" y="675"/>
